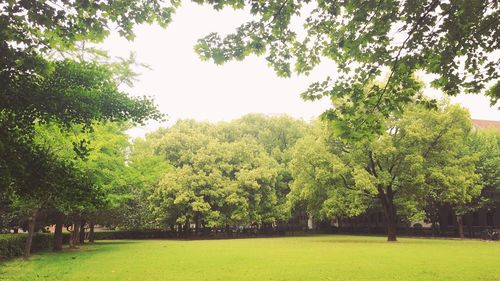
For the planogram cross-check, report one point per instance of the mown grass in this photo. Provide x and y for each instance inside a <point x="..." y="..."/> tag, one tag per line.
<point x="291" y="258"/>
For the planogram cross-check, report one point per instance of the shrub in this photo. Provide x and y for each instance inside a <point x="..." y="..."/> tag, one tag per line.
<point x="12" y="245"/>
<point x="134" y="234"/>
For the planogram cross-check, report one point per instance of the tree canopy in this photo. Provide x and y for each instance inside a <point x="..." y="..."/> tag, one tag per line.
<point x="369" y="41"/>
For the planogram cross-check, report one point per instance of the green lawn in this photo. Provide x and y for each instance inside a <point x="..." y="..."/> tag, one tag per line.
<point x="291" y="258"/>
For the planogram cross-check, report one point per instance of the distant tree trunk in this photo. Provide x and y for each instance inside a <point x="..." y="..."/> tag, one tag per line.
<point x="197" y="223"/>
<point x="16" y="230"/>
<point x="81" y="237"/>
<point x="91" y="233"/>
<point x="186" y="228"/>
<point x="390" y="214"/>
<point x="433" y="228"/>
<point x="469" y="226"/>
<point x="460" y="226"/>
<point x="58" y="237"/>
<point x="31" y="232"/>
<point x="75" y="237"/>
<point x="69" y="228"/>
<point x="179" y="229"/>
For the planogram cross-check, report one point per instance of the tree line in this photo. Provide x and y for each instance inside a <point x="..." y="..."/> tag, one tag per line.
<point x="257" y="171"/>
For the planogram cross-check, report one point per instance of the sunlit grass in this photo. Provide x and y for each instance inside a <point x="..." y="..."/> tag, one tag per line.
<point x="290" y="258"/>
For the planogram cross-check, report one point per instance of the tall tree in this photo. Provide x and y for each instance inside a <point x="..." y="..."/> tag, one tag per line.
<point x="38" y="86"/>
<point x="215" y="182"/>
<point x="145" y="167"/>
<point x="317" y="171"/>
<point x="392" y="168"/>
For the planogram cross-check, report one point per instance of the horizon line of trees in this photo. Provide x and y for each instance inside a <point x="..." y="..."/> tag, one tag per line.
<point x="257" y="171"/>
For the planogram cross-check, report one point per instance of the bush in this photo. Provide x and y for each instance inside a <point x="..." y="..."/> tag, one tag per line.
<point x="418" y="226"/>
<point x="133" y="234"/>
<point x="12" y="245"/>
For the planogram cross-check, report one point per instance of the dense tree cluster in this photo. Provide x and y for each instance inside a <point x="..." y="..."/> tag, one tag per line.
<point x="46" y="84"/>
<point x="257" y="171"/>
<point x="226" y="175"/>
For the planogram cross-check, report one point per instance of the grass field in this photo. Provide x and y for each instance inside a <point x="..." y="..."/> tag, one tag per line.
<point x="292" y="258"/>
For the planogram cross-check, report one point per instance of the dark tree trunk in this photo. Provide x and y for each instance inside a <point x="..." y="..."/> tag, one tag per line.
<point x="469" y="226"/>
<point x="69" y="228"/>
<point x="75" y="235"/>
<point x="179" y="230"/>
<point x="197" y="224"/>
<point x="58" y="237"/>
<point x="433" y="228"/>
<point x="460" y="226"/>
<point x="16" y="230"/>
<point x="81" y="237"/>
<point x="186" y="229"/>
<point x="91" y="233"/>
<point x="390" y="216"/>
<point x="31" y="233"/>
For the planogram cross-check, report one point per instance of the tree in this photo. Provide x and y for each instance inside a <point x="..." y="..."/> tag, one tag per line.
<point x="453" y="180"/>
<point x="316" y="171"/>
<point x="392" y="168"/>
<point x="46" y="180"/>
<point x="40" y="87"/>
<point x="277" y="134"/>
<point x="486" y="143"/>
<point x="105" y="165"/>
<point x="145" y="167"/>
<point x="214" y="182"/>
<point x="456" y="40"/>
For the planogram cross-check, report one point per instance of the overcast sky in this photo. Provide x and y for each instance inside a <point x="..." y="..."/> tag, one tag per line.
<point x="185" y="87"/>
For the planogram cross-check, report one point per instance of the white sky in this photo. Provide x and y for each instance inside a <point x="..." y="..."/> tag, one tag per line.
<point x="185" y="87"/>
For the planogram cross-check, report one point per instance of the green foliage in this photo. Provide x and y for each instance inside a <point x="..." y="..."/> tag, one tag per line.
<point x="225" y="184"/>
<point x="421" y="158"/>
<point x="43" y="82"/>
<point x="226" y="174"/>
<point x="456" y="40"/>
<point x="315" y="170"/>
<point x="144" y="169"/>
<point x="486" y="145"/>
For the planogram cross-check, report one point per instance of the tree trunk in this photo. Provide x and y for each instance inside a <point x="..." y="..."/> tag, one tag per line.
<point x="179" y="230"/>
<point x="75" y="237"/>
<point x="469" y="226"/>
<point x="31" y="232"/>
<point x="91" y="233"/>
<point x="460" y="226"/>
<point x="391" y="229"/>
<point x="197" y="224"/>
<point x="81" y="237"/>
<point x="69" y="228"/>
<point x="58" y="237"/>
<point x="391" y="217"/>
<point x="186" y="229"/>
